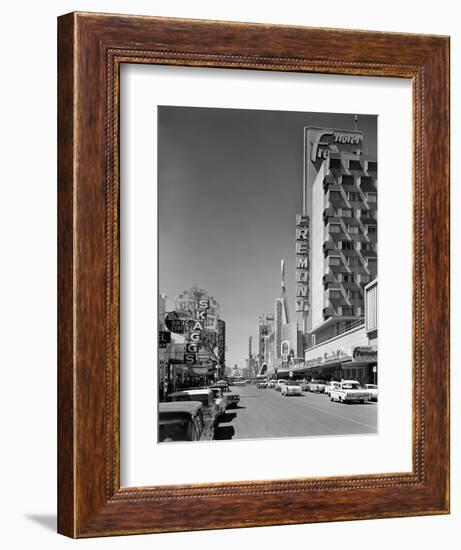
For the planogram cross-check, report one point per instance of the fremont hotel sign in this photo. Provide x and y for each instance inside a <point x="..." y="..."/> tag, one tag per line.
<point x="302" y="263"/>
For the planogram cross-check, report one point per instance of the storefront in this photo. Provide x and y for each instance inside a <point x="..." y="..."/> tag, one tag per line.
<point x="363" y="366"/>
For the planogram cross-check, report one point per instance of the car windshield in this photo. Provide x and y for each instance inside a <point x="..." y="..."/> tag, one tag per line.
<point x="351" y="386"/>
<point x="372" y="386"/>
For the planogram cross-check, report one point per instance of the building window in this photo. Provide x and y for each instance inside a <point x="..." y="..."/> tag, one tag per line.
<point x="354" y="294"/>
<point x="346" y="277"/>
<point x="355" y="165"/>
<point x="372" y="230"/>
<point x="372" y="166"/>
<point x="372" y="263"/>
<point x="367" y="246"/>
<point x="347" y="245"/>
<point x="347" y="310"/>
<point x="347" y="180"/>
<point x="334" y="260"/>
<point x="346" y="212"/>
<point x="353" y="196"/>
<point x="353" y="261"/>
<point x="334" y="228"/>
<point x="372" y="197"/>
<point x="335" y="294"/>
<point x="335" y="163"/>
<point x="335" y="196"/>
<point x="353" y="229"/>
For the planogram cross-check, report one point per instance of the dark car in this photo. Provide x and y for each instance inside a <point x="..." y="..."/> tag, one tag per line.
<point x="183" y="421"/>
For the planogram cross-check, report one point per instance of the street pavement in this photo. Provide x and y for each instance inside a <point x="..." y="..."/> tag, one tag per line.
<point x="266" y="413"/>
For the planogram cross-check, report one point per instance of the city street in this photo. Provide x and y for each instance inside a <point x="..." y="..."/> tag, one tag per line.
<point x="266" y="413"/>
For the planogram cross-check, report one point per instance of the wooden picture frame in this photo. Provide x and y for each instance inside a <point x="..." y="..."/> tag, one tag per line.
<point x="92" y="48"/>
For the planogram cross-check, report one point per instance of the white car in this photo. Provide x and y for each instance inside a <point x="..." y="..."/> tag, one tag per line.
<point x="348" y="391"/>
<point x="331" y="386"/>
<point x="372" y="390"/>
<point x="279" y="383"/>
<point x="291" y="388"/>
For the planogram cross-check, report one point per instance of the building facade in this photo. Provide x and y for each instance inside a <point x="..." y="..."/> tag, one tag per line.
<point x="341" y="190"/>
<point x="336" y="257"/>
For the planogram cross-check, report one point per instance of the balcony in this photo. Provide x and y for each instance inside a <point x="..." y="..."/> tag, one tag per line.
<point x="330" y="183"/>
<point x="368" y="253"/>
<point x="355" y="165"/>
<point x="372" y="166"/>
<point x="367" y="183"/>
<point x="335" y="198"/>
<point x="334" y="231"/>
<point x="328" y="247"/>
<point x="328" y="312"/>
<point x="367" y="216"/>
<point x="335" y="297"/>
<point x="329" y="215"/>
<point x="334" y="163"/>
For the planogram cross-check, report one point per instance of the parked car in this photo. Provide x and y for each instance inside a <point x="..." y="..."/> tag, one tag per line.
<point x="183" y="421"/>
<point x="372" y="390"/>
<point x="317" y="386"/>
<point x="279" y="383"/>
<point x="304" y="385"/>
<point x="261" y="384"/>
<point x="204" y="395"/>
<point x="232" y="398"/>
<point x="291" y="388"/>
<point x="330" y="386"/>
<point x="271" y="384"/>
<point x="349" y="391"/>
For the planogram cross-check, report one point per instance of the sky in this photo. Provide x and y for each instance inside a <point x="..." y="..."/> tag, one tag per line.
<point x="229" y="189"/>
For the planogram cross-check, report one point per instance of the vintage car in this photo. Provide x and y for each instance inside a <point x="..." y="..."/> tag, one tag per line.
<point x="372" y="390"/>
<point x="304" y="385"/>
<point x="330" y="386"/>
<point x="278" y="384"/>
<point x="316" y="386"/>
<point x="204" y="395"/>
<point x="233" y="399"/>
<point x="291" y="388"/>
<point x="349" y="391"/>
<point x="183" y="421"/>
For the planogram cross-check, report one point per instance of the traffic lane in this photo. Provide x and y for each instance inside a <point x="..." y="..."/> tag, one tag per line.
<point x="266" y="413"/>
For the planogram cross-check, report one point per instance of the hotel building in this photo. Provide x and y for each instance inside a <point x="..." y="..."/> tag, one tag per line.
<point x="337" y="231"/>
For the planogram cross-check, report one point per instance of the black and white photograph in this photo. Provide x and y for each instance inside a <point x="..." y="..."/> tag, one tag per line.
<point x="267" y="274"/>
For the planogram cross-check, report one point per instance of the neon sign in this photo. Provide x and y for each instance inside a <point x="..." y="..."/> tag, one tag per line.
<point x="302" y="263"/>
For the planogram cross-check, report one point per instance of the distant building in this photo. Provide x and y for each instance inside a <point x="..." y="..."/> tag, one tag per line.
<point x="266" y="336"/>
